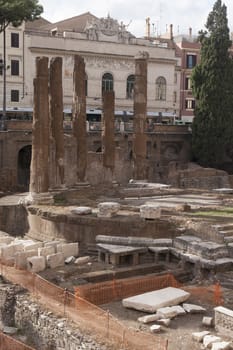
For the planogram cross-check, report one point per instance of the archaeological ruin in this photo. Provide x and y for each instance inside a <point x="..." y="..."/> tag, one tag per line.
<point x="120" y="242"/>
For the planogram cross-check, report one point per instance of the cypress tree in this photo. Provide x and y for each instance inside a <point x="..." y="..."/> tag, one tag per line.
<point x="212" y="81"/>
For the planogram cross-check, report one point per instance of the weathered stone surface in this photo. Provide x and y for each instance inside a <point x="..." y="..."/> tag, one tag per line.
<point x="44" y="251"/>
<point x="207" y="321"/>
<point x="39" y="179"/>
<point x="182" y="242"/>
<point x="208" y="340"/>
<point x="135" y="241"/>
<point x="68" y="249"/>
<point x="108" y="132"/>
<point x="223" y="345"/>
<point x="150" y="212"/>
<point x="171" y="311"/>
<point x="56" y="116"/>
<point x="10" y="250"/>
<point x="21" y="258"/>
<point x="223" y="320"/>
<point x="10" y="330"/>
<point x="69" y="260"/>
<point x="36" y="263"/>
<point x="199" y="336"/>
<point x="55" y="260"/>
<point x="82" y="260"/>
<point x="140" y="114"/>
<point x="155" y="328"/>
<point x="164" y="321"/>
<point x="79" y="116"/>
<point x="6" y="239"/>
<point x="149" y="318"/>
<point x="81" y="210"/>
<point x="191" y="308"/>
<point x="33" y="246"/>
<point x="108" y="209"/>
<point x="152" y="301"/>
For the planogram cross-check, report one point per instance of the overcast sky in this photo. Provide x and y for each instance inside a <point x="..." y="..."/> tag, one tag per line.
<point x="181" y="13"/>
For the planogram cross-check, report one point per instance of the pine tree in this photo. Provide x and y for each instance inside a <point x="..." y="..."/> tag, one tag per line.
<point x="212" y="80"/>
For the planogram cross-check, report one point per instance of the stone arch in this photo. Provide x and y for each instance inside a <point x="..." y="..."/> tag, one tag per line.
<point x="23" y="167"/>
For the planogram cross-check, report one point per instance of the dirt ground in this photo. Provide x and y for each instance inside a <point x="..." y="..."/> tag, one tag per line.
<point x="179" y="332"/>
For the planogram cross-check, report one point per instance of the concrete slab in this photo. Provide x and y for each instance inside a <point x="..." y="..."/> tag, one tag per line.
<point x="152" y="301"/>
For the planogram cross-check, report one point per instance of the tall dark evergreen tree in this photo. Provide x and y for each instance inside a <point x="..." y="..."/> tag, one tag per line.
<point x="212" y="79"/>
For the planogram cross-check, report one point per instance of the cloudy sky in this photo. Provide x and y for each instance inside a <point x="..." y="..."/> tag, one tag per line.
<point x="181" y="13"/>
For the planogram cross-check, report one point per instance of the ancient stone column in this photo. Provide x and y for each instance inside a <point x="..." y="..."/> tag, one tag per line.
<point x="140" y="114"/>
<point x="108" y="133"/>
<point x="56" y="117"/>
<point x="79" y="116"/>
<point x="39" y="181"/>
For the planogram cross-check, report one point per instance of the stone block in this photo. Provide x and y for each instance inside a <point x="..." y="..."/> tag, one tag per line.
<point x="108" y="209"/>
<point x="209" y="339"/>
<point x="10" y="250"/>
<point x="223" y="345"/>
<point x="155" y="328"/>
<point x="33" y="246"/>
<point x="207" y="321"/>
<point x="152" y="301"/>
<point x="149" y="318"/>
<point x="68" y="249"/>
<point x="192" y="309"/>
<point x="36" y="263"/>
<point x="21" y="258"/>
<point x="70" y="260"/>
<point x="44" y="251"/>
<point x="199" y="336"/>
<point x="182" y="242"/>
<point x="164" y="322"/>
<point x="223" y="320"/>
<point x="55" y="260"/>
<point x="170" y="312"/>
<point x="6" y="239"/>
<point x="150" y="212"/>
<point x="82" y="260"/>
<point x="81" y="210"/>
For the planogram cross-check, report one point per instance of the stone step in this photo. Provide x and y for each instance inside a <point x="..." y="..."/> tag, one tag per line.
<point x="224" y="227"/>
<point x="228" y="239"/>
<point x="226" y="233"/>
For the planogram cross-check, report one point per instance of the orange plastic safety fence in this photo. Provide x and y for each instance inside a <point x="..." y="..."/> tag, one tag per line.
<point x="8" y="343"/>
<point x="105" y="292"/>
<point x="89" y="316"/>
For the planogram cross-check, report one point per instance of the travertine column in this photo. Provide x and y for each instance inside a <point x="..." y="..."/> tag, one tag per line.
<point x="140" y="113"/>
<point x="56" y="115"/>
<point x="108" y="133"/>
<point x="39" y="181"/>
<point x="79" y="116"/>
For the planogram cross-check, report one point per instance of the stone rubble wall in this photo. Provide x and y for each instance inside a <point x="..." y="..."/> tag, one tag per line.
<point x="49" y="332"/>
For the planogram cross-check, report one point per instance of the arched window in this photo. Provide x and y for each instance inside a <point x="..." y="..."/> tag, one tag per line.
<point x="130" y="86"/>
<point x="161" y="88"/>
<point x="107" y="82"/>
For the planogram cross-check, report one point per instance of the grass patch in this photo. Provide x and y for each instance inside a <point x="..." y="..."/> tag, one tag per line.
<point x="225" y="212"/>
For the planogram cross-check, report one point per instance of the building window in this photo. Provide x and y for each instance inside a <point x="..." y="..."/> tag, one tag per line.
<point x="14" y="95"/>
<point x="14" y="67"/>
<point x="174" y="97"/>
<point x="189" y="104"/>
<point x="14" y="39"/>
<point x="130" y="86"/>
<point x="188" y="83"/>
<point x="161" y="88"/>
<point x="107" y="82"/>
<point x="191" y="61"/>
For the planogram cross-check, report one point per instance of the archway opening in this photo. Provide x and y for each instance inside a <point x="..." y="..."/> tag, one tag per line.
<point x="24" y="161"/>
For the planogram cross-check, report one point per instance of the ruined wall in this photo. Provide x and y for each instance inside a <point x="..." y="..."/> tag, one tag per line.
<point x="51" y="225"/>
<point x="13" y="219"/>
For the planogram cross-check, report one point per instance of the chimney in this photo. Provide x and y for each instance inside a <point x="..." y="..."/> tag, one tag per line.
<point x="171" y="31"/>
<point x="190" y="31"/>
<point x="148" y="27"/>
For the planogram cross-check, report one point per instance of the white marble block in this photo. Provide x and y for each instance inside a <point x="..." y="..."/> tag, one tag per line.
<point x="108" y="209"/>
<point x="152" y="301"/>
<point x="150" y="212"/>
<point x="68" y="249"/>
<point x="55" y="260"/>
<point x="36" y="263"/>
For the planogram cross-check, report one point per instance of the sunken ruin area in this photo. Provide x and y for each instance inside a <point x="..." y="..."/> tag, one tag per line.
<point x="122" y="236"/>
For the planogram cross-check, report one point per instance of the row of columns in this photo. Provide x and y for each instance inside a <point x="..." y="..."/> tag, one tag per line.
<point x="47" y="128"/>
